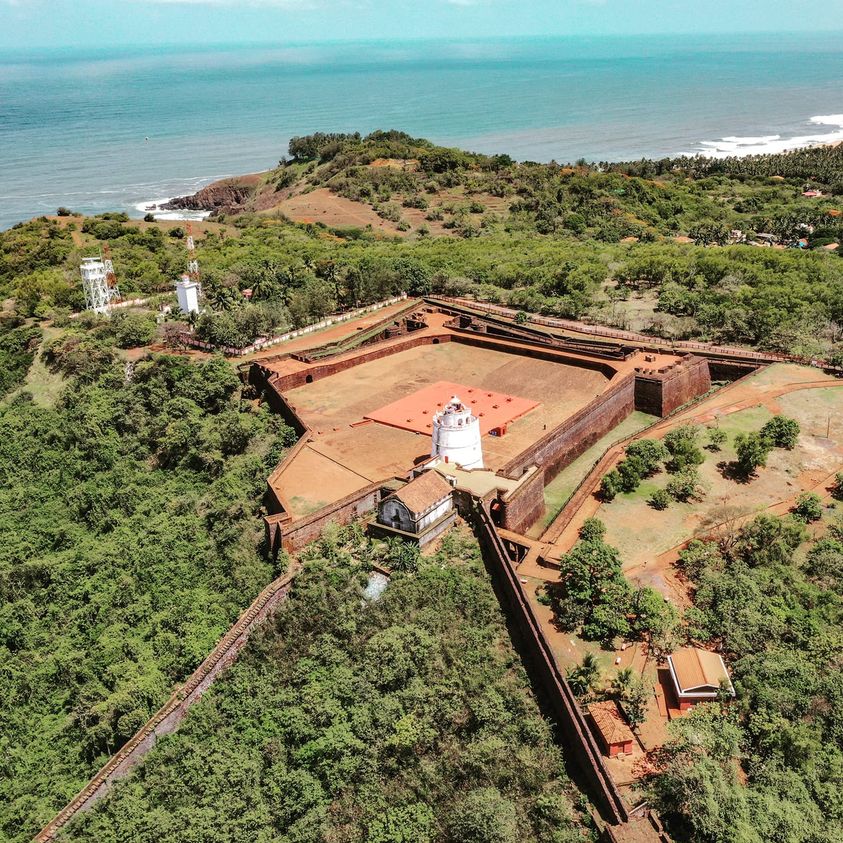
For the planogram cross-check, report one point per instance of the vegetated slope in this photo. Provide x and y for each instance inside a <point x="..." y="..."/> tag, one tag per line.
<point x="775" y="613"/>
<point x="414" y="186"/>
<point x="406" y="719"/>
<point x="18" y="346"/>
<point x="129" y="542"/>
<point x="781" y="300"/>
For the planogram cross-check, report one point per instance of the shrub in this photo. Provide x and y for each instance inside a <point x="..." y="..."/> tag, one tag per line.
<point x="132" y="330"/>
<point x="808" y="507"/>
<point x="685" y="485"/>
<point x="837" y="489"/>
<point x="660" y="499"/>
<point x="716" y="438"/>
<point x="781" y="432"/>
<point x="610" y="486"/>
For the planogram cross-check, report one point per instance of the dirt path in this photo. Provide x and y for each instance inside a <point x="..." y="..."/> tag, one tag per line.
<point x="736" y="397"/>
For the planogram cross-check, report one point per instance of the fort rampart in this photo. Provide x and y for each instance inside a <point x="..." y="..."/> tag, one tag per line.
<point x="660" y="391"/>
<point x="559" y="447"/>
<point x="560" y="699"/>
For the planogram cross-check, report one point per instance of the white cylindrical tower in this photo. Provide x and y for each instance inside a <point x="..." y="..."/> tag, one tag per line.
<point x="456" y="436"/>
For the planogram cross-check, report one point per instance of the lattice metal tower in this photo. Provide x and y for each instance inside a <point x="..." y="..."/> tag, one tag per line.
<point x="98" y="283"/>
<point x="188" y="288"/>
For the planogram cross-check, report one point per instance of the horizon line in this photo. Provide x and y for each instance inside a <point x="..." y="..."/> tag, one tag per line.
<point x="303" y="42"/>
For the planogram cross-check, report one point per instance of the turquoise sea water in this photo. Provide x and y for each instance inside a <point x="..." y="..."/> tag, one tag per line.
<point x="106" y="130"/>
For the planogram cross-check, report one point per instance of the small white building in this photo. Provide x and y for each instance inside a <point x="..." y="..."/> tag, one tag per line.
<point x="456" y="436"/>
<point x="419" y="511"/>
<point x="188" y="292"/>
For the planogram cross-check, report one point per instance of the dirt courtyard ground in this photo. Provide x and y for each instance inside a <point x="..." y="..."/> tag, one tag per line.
<point x="347" y="452"/>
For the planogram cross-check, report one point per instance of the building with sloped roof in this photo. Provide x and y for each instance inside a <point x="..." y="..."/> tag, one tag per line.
<point x="419" y="511"/>
<point x="615" y="736"/>
<point x="698" y="676"/>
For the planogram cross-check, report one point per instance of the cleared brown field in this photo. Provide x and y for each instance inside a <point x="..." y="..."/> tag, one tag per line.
<point x="347" y="452"/>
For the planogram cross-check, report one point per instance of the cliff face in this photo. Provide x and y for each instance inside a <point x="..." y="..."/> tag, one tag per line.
<point x="229" y="196"/>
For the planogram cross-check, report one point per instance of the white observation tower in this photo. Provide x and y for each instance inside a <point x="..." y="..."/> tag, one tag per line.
<point x="456" y="436"/>
<point x="98" y="284"/>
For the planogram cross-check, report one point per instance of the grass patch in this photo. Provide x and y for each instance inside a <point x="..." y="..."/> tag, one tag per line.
<point x="559" y="490"/>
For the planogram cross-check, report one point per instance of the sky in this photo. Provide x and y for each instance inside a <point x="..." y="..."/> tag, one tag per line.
<point x="115" y="23"/>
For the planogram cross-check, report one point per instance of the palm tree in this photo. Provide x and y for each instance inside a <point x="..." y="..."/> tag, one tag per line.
<point x="585" y="676"/>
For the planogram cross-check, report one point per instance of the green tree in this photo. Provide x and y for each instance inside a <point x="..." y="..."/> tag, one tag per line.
<point x="585" y="677"/>
<point x="781" y="432"/>
<point x="651" y="452"/>
<point x="484" y="815"/>
<point x="631" y="691"/>
<point x="610" y="485"/>
<point x="682" y="445"/>
<point x="592" y="529"/>
<point x="768" y="541"/>
<point x="752" y="450"/>
<point x="592" y="593"/>
<point x="808" y="507"/>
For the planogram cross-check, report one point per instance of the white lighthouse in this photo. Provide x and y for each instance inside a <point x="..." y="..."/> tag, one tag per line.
<point x="188" y="292"/>
<point x="456" y="436"/>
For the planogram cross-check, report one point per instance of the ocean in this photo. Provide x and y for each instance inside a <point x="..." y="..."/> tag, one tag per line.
<point x="98" y="130"/>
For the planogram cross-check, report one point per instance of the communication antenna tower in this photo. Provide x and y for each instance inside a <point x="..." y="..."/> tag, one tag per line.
<point x="110" y="277"/>
<point x="98" y="282"/>
<point x="192" y="262"/>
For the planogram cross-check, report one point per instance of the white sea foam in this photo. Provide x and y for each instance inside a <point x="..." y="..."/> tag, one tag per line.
<point x="733" y="145"/>
<point x="153" y="206"/>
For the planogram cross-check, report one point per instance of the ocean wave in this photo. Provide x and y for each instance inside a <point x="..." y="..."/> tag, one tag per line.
<point x="733" y="145"/>
<point x="153" y="206"/>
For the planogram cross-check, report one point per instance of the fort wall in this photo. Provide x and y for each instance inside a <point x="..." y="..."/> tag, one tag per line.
<point x="170" y="716"/>
<point x="561" y="446"/>
<point x="561" y="702"/>
<point x="661" y="391"/>
<point x="284" y="533"/>
<point x="525" y="505"/>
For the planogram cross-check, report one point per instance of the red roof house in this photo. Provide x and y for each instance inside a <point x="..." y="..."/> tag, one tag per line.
<point x="613" y="731"/>
<point x="698" y="676"/>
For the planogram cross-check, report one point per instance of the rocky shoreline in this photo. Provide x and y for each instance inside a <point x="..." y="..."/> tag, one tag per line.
<point x="227" y="196"/>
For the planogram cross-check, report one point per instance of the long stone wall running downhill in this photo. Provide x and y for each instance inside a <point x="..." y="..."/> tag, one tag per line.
<point x="579" y="741"/>
<point x="169" y="717"/>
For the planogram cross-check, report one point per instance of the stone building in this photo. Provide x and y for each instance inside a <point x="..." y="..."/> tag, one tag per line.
<point x="419" y="511"/>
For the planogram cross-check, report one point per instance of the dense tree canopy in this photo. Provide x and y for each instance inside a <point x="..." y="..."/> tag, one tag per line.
<point x="404" y="720"/>
<point x="129" y="542"/>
